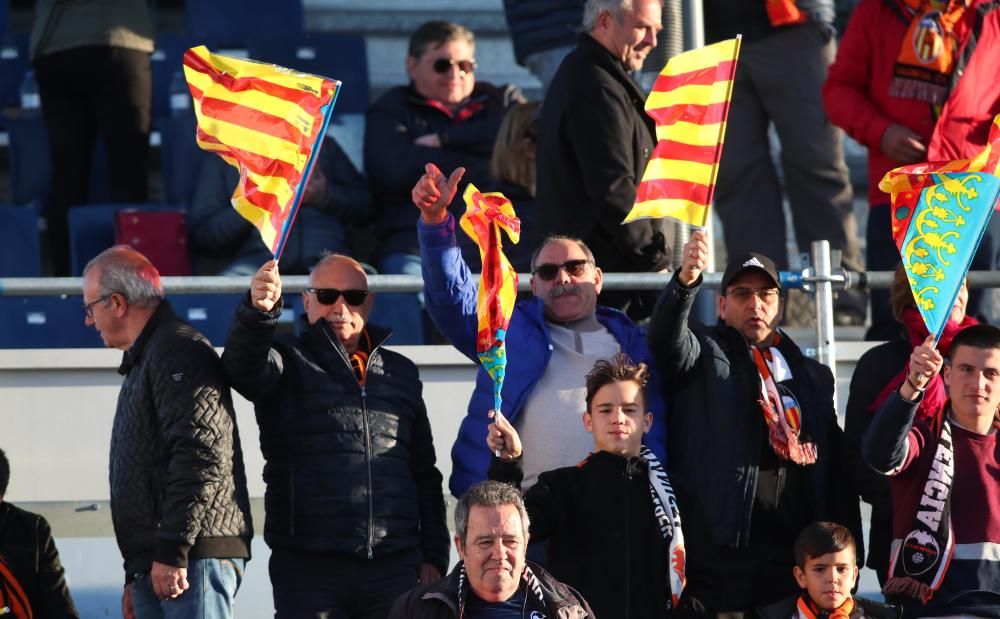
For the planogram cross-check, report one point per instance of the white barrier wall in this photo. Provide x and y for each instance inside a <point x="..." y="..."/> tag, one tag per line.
<point x="58" y="406"/>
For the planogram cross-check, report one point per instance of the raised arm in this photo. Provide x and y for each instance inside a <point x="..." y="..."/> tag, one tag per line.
<point x="252" y="366"/>
<point x="449" y="287"/>
<point x="671" y="341"/>
<point x="887" y="445"/>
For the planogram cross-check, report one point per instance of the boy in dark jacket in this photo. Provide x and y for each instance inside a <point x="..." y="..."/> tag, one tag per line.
<point x="826" y="568"/>
<point x="612" y="521"/>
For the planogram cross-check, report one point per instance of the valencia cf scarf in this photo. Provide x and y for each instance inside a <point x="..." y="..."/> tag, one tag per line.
<point x="918" y="565"/>
<point x="781" y="410"/>
<point x="929" y="52"/>
<point x="808" y="609"/>
<point x="668" y="516"/>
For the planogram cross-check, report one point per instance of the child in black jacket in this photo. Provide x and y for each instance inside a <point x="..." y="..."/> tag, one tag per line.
<point x="612" y="520"/>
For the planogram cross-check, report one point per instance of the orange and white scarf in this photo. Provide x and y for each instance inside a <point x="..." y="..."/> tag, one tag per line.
<point x="781" y="409"/>
<point x="929" y="51"/>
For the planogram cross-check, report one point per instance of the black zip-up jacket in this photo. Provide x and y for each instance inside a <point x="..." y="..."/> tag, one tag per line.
<point x="178" y="487"/>
<point x="350" y="470"/>
<point x="875" y="369"/>
<point x="594" y="142"/>
<point x="716" y="431"/>
<point x="446" y="598"/>
<point x="604" y="539"/>
<point x="27" y="546"/>
<point x="394" y="163"/>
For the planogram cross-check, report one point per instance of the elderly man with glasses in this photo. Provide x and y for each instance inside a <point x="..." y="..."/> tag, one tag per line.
<point x="444" y="115"/>
<point x="553" y="341"/>
<point x="354" y="506"/>
<point x="753" y="437"/>
<point x="179" y="499"/>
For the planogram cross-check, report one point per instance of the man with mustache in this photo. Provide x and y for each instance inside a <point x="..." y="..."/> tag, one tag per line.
<point x="594" y="141"/>
<point x="754" y="446"/>
<point x="554" y="339"/>
<point x="354" y="509"/>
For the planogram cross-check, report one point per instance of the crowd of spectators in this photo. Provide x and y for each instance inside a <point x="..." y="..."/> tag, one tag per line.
<point x="718" y="481"/>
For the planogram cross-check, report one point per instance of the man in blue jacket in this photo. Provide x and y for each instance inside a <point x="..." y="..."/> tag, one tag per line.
<point x="553" y="341"/>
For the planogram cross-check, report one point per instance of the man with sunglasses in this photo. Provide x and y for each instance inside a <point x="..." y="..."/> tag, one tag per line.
<point x="354" y="506"/>
<point x="553" y="341"/>
<point x="444" y="115"/>
<point x="179" y="500"/>
<point x="754" y="444"/>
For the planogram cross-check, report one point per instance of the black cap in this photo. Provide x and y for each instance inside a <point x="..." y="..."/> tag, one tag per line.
<point x="746" y="262"/>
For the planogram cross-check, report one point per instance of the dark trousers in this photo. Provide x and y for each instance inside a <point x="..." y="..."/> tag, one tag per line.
<point x="317" y="586"/>
<point x="778" y="81"/>
<point x="84" y="92"/>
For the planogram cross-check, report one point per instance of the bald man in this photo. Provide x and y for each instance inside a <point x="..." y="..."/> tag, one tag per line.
<point x="354" y="506"/>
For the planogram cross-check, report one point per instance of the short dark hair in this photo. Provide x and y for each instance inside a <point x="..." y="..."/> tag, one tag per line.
<point x="435" y="33"/>
<point x="489" y="494"/>
<point x="561" y="237"/>
<point x="986" y="337"/>
<point x="618" y="369"/>
<point x="822" y="538"/>
<point x="4" y="474"/>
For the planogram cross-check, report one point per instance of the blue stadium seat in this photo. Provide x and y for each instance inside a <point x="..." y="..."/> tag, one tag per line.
<point x="31" y="166"/>
<point x="13" y="63"/>
<point x="229" y="23"/>
<point x="164" y="63"/>
<point x="45" y="322"/>
<point x="212" y="314"/>
<point x="20" y="255"/>
<point x="180" y="158"/>
<point x="92" y="230"/>
<point x="4" y="16"/>
<point x="339" y="56"/>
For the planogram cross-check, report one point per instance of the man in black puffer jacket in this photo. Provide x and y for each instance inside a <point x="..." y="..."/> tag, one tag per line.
<point x="179" y="499"/>
<point x="354" y="505"/>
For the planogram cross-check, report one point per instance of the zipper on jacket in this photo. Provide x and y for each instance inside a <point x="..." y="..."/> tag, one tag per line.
<point x="628" y="537"/>
<point x="368" y="459"/>
<point x="743" y="533"/>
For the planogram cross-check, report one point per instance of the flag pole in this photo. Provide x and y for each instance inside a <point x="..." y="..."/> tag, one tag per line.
<point x="722" y="130"/>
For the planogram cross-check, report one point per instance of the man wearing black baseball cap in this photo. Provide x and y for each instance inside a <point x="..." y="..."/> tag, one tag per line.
<point x="753" y="437"/>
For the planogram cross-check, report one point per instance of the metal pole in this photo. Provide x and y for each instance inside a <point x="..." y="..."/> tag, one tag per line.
<point x="826" y="344"/>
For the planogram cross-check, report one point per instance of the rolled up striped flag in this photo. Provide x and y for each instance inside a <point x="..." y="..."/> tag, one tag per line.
<point x="690" y="104"/>
<point x="269" y="123"/>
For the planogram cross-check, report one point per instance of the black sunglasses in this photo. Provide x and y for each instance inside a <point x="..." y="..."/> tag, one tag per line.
<point x="443" y="65"/>
<point x="574" y="268"/>
<point x="329" y="296"/>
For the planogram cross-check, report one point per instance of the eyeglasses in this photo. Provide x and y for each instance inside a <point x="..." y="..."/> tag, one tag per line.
<point x="443" y="65"/>
<point x="88" y="308"/>
<point x="329" y="296"/>
<point x="574" y="268"/>
<point x="741" y="294"/>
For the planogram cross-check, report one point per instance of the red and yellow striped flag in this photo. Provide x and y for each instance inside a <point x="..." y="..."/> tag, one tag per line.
<point x="690" y="103"/>
<point x="266" y="121"/>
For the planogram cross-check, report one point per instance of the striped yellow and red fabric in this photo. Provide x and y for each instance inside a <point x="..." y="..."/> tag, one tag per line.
<point x="690" y="103"/>
<point x="269" y="123"/>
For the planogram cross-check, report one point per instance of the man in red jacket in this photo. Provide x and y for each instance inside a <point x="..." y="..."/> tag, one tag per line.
<point x="908" y="106"/>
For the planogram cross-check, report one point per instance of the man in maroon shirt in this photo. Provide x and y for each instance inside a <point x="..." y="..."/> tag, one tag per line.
<point x="945" y="555"/>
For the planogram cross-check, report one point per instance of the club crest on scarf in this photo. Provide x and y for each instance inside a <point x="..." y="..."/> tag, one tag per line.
<point x="485" y="215"/>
